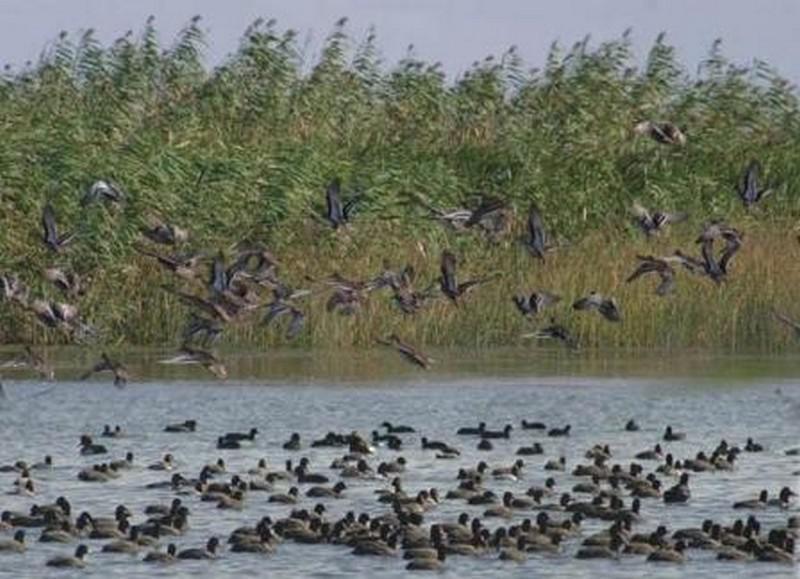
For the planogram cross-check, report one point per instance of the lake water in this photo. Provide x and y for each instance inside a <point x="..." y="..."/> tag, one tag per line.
<point x="707" y="397"/>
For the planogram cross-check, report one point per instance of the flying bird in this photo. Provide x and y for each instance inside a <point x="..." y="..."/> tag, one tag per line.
<point x="338" y="214"/>
<point x="448" y="281"/>
<point x="409" y="352"/>
<point x="165" y="233"/>
<point x="788" y="322"/>
<point x="189" y="355"/>
<point x="106" y="364"/>
<point x="607" y="307"/>
<point x="652" y="223"/>
<point x="68" y="282"/>
<point x="280" y="308"/>
<point x="51" y="238"/>
<point x="749" y="191"/>
<point x="664" y="132"/>
<point x="536" y="241"/>
<point x="555" y="331"/>
<point x="535" y="303"/>
<point x="662" y="266"/>
<point x="103" y="191"/>
<point x="30" y="359"/>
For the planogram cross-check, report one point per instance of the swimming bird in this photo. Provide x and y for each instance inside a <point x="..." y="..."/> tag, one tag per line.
<point x="106" y="364"/>
<point x="653" y="223"/>
<point x="607" y="307"/>
<point x="670" y="435"/>
<point x="658" y="265"/>
<point x="162" y="557"/>
<point x="185" y="426"/>
<point x="535" y="303"/>
<point x="78" y="560"/>
<point x="680" y="492"/>
<point x="51" y="238"/>
<point x="662" y="132"/>
<point x="751" y="504"/>
<point x="190" y="355"/>
<point x="409" y="352"/>
<point x="749" y="191"/>
<point x="16" y="545"/>
<point x="209" y="552"/>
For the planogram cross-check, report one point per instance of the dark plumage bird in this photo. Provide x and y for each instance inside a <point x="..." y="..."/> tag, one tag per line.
<point x="106" y="364"/>
<point x="409" y="352"/>
<point x="336" y="213"/>
<point x="449" y="282"/>
<point x="662" y="132"/>
<point x="607" y="307"/>
<point x="536" y="241"/>
<point x="662" y="266"/>
<point x="202" y="330"/>
<point x="535" y="303"/>
<point x="749" y="191"/>
<point x="52" y="240"/>
<point x="76" y="561"/>
<point x="652" y="223"/>
<point x="680" y="492"/>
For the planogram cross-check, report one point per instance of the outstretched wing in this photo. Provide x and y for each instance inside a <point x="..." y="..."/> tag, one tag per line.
<point x="49" y="225"/>
<point x="335" y="213"/>
<point x="448" y="270"/>
<point x="749" y="190"/>
<point x="537" y="237"/>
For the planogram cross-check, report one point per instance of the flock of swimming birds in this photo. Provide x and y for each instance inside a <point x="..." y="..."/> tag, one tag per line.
<point x="232" y="290"/>
<point x="508" y="524"/>
<point x="502" y="517"/>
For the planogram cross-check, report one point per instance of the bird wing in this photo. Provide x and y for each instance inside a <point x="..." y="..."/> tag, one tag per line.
<point x="667" y="284"/>
<point x="49" y="225"/>
<point x="749" y="189"/>
<point x="538" y="238"/>
<point x="448" y="270"/>
<point x="334" y="203"/>
<point x="296" y="324"/>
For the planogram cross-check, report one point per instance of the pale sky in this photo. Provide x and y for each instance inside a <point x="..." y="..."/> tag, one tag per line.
<point x="454" y="32"/>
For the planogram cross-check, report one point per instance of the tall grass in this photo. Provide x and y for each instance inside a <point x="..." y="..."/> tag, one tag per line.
<point x="244" y="150"/>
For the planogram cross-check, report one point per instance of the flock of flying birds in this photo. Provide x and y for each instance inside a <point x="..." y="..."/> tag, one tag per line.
<point x="231" y="291"/>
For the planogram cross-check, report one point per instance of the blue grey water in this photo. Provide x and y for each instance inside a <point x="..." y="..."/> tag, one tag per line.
<point x="39" y="418"/>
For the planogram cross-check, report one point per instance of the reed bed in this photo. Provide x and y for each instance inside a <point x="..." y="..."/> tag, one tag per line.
<point x="243" y="151"/>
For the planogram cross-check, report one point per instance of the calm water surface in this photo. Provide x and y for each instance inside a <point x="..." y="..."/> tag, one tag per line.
<point x="708" y="398"/>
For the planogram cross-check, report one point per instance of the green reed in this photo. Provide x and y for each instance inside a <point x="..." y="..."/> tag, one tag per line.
<point x="244" y="151"/>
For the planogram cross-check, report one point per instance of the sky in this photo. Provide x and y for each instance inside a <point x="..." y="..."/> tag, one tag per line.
<point x="453" y="32"/>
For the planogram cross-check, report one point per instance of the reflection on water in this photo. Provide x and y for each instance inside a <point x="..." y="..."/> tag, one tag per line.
<point x="709" y="398"/>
